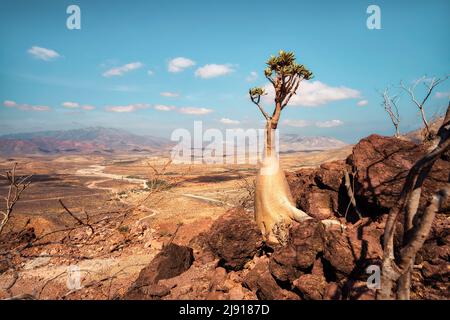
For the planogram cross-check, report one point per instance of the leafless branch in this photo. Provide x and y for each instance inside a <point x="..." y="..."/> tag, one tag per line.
<point x="390" y="105"/>
<point x="394" y="268"/>
<point x="429" y="84"/>
<point x="16" y="187"/>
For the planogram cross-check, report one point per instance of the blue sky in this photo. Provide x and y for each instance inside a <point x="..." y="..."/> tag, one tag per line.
<point x="55" y="78"/>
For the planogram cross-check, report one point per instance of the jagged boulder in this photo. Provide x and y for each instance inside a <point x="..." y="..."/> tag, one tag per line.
<point x="261" y="282"/>
<point x="172" y="261"/>
<point x="321" y="191"/>
<point x="235" y="238"/>
<point x="311" y="286"/>
<point x="287" y="263"/>
<point x="381" y="165"/>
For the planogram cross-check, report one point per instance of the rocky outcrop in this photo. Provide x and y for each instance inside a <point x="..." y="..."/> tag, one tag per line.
<point x="287" y="263"/>
<point x="381" y="165"/>
<point x="261" y="281"/>
<point x="170" y="262"/>
<point x="317" y="262"/>
<point x="235" y="238"/>
<point x="320" y="192"/>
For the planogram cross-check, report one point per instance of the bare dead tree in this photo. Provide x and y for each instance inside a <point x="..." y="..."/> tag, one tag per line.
<point x="429" y="84"/>
<point x="17" y="186"/>
<point x="390" y="105"/>
<point x="248" y="186"/>
<point x="396" y="271"/>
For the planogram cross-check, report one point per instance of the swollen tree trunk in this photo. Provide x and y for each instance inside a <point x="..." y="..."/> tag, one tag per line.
<point x="274" y="205"/>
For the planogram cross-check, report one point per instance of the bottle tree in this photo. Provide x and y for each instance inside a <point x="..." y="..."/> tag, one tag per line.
<point x="274" y="206"/>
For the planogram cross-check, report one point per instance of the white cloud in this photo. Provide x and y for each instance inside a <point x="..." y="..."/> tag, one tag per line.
<point x="329" y="123"/>
<point x="150" y="72"/>
<point x="213" y="70"/>
<point x="70" y="105"/>
<point x="118" y="71"/>
<point x="161" y="107"/>
<point x="229" y="121"/>
<point x="179" y="64"/>
<point x="43" y="53"/>
<point x="441" y="95"/>
<point x="25" y="107"/>
<point x="195" y="111"/>
<point x="252" y="77"/>
<point x="125" y="88"/>
<point x="40" y="108"/>
<point x="315" y="93"/>
<point x="296" y="123"/>
<point x="88" y="107"/>
<point x="170" y="94"/>
<point x="362" y="103"/>
<point x="9" y="103"/>
<point x="128" y="108"/>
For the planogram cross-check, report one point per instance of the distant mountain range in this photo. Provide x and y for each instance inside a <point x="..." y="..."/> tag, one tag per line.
<point x="88" y="140"/>
<point x="295" y="142"/>
<point x="99" y="140"/>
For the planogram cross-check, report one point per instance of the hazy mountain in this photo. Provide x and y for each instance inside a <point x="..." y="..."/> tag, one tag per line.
<point x="108" y="141"/>
<point x="87" y="140"/>
<point x="295" y="142"/>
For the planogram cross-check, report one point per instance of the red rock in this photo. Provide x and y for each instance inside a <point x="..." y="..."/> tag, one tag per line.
<point x="319" y="192"/>
<point x="440" y="271"/>
<point x="305" y="242"/>
<point x="382" y="163"/>
<point x="311" y="286"/>
<point x="338" y="252"/>
<point x="170" y="262"/>
<point x="332" y="292"/>
<point x="235" y="238"/>
<point x="260" y="281"/>
<point x="318" y="268"/>
<point x="358" y="290"/>
<point x="330" y="175"/>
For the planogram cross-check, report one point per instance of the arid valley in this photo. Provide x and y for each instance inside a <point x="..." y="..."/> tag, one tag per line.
<point x="175" y="202"/>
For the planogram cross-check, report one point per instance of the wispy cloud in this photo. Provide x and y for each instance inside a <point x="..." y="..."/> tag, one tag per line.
<point x="441" y="95"/>
<point x="88" y="107"/>
<point x="179" y="64"/>
<point x="362" y="103"/>
<point x="127" y="108"/>
<point x="195" y="111"/>
<point x="319" y="124"/>
<point x="162" y="107"/>
<point x="43" y="53"/>
<point x="25" y="107"/>
<point x="296" y="123"/>
<point x="118" y="71"/>
<point x="150" y="72"/>
<point x="315" y="93"/>
<point x="213" y="70"/>
<point x="329" y="123"/>
<point x="252" y="76"/>
<point x="170" y="94"/>
<point x="70" y="105"/>
<point x="76" y="105"/>
<point x="9" y="103"/>
<point x="229" y="121"/>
